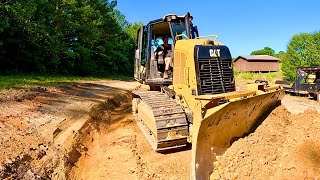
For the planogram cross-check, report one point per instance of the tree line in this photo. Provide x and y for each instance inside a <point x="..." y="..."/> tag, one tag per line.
<point x="73" y="37"/>
<point x="91" y="37"/>
<point x="268" y="51"/>
<point x="303" y="50"/>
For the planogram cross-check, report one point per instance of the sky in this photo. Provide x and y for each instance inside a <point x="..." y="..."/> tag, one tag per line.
<point x="242" y="25"/>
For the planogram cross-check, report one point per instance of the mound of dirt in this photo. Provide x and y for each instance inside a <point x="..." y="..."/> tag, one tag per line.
<point x="284" y="146"/>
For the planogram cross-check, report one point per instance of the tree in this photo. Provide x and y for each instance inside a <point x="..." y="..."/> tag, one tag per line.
<point x="65" y="37"/>
<point x="265" y="51"/>
<point x="133" y="28"/>
<point x="303" y="50"/>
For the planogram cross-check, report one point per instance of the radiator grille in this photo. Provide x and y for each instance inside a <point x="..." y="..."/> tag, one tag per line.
<point x="216" y="75"/>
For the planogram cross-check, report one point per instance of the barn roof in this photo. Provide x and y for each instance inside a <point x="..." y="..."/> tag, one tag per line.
<point x="258" y="58"/>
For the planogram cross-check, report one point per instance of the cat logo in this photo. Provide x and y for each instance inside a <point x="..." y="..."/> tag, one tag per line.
<point x="214" y="52"/>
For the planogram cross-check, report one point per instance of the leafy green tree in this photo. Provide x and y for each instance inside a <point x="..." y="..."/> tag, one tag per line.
<point x="133" y="28"/>
<point x="265" y="51"/>
<point x="303" y="50"/>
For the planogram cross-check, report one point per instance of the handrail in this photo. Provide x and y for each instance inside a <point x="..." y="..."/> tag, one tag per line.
<point x="181" y="35"/>
<point x="215" y="37"/>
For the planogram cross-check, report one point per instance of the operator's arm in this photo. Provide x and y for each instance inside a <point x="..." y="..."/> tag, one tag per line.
<point x="159" y="51"/>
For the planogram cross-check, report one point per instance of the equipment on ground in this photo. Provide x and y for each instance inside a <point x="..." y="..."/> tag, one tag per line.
<point x="307" y="83"/>
<point x="199" y="103"/>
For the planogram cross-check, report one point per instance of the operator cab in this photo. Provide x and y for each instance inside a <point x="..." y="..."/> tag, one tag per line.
<point x="152" y="65"/>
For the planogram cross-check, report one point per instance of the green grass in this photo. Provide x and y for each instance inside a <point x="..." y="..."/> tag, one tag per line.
<point x="29" y="81"/>
<point x="251" y="77"/>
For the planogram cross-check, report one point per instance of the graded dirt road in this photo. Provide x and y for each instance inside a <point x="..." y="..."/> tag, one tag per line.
<point x="87" y="131"/>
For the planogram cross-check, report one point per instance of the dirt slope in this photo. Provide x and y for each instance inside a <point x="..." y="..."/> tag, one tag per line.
<point x="284" y="146"/>
<point x="40" y="127"/>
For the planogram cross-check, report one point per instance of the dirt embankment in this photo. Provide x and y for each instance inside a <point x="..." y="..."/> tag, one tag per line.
<point x="41" y="129"/>
<point x="284" y="146"/>
<point x="85" y="131"/>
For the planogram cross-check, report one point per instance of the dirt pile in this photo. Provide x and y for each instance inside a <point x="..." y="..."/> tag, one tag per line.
<point x="284" y="146"/>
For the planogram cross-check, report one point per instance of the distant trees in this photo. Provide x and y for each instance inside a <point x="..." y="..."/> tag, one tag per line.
<point x="281" y="54"/>
<point x="265" y="51"/>
<point x="269" y="51"/>
<point x="65" y="37"/>
<point x="303" y="50"/>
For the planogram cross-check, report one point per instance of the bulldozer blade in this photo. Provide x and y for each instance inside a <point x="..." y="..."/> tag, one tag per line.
<point x="224" y="124"/>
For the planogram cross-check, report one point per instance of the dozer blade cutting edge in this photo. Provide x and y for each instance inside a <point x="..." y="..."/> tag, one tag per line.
<point x="223" y="124"/>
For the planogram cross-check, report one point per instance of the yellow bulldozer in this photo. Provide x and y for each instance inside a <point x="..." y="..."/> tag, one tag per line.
<point x="197" y="101"/>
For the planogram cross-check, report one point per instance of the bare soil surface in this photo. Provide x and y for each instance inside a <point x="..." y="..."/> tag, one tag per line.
<point x="284" y="145"/>
<point x="41" y="128"/>
<point x="120" y="151"/>
<point x="87" y="131"/>
<point x="296" y="104"/>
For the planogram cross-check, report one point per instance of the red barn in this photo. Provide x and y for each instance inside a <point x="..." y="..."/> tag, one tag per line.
<point x="257" y="63"/>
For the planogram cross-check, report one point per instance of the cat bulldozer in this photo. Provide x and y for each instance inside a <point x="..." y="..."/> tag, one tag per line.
<point x="198" y="103"/>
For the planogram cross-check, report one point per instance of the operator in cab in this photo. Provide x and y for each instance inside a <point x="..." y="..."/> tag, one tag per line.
<point x="164" y="56"/>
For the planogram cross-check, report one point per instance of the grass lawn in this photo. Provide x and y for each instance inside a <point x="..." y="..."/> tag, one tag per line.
<point x="246" y="77"/>
<point x="28" y="81"/>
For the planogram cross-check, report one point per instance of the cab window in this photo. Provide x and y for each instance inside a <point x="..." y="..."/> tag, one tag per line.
<point x="144" y="48"/>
